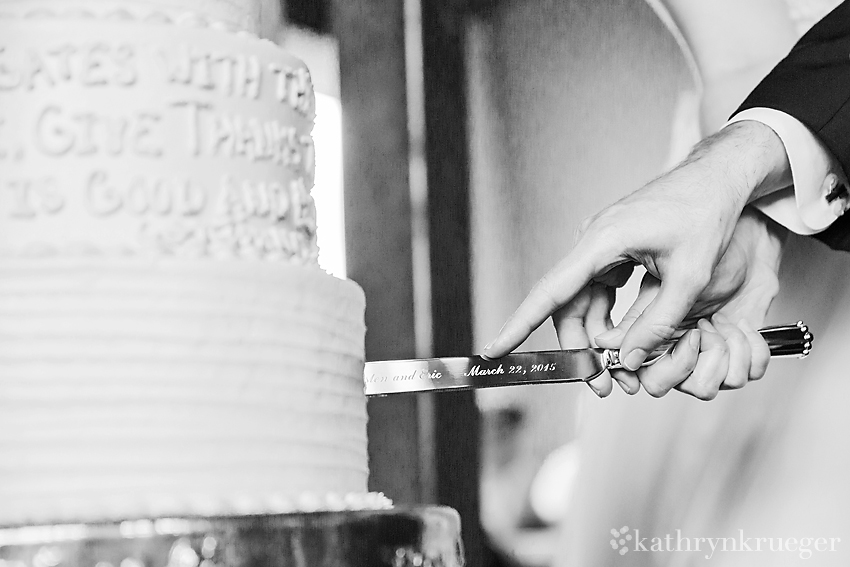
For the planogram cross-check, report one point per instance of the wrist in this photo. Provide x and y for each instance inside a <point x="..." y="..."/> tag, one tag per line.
<point x="747" y="159"/>
<point x="757" y="153"/>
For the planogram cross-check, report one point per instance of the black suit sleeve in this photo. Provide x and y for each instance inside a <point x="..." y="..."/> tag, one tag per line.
<point x="812" y="84"/>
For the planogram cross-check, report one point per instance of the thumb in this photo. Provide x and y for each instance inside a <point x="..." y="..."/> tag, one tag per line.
<point x="660" y="320"/>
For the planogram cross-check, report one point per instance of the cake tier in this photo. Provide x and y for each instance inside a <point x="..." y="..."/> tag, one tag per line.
<point x="156" y="136"/>
<point x="255" y="16"/>
<point x="417" y="537"/>
<point x="131" y="388"/>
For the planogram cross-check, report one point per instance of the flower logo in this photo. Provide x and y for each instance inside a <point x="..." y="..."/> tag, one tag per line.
<point x="618" y="542"/>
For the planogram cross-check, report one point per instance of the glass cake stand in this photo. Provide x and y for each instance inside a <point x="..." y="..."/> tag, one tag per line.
<point x="400" y="537"/>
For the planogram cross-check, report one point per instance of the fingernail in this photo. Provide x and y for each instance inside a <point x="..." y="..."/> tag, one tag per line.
<point x="625" y="387"/>
<point x="610" y="335"/>
<point x="595" y="391"/>
<point x="634" y="359"/>
<point x="693" y="338"/>
<point x="485" y="354"/>
<point x="720" y="318"/>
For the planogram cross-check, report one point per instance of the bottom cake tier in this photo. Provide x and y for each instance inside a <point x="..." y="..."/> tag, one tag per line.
<point x="137" y="387"/>
<point x="412" y="537"/>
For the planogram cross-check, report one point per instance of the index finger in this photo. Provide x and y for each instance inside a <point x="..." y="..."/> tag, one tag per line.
<point x="554" y="290"/>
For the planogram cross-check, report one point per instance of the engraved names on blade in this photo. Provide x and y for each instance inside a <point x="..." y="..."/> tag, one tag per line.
<point x="141" y="137"/>
<point x="462" y="373"/>
<point x="399" y="376"/>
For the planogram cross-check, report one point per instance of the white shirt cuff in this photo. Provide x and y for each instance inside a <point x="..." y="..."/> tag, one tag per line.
<point x="802" y="208"/>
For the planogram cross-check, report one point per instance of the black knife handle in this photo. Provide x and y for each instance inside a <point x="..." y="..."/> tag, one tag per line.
<point x="788" y="340"/>
<point x="783" y="340"/>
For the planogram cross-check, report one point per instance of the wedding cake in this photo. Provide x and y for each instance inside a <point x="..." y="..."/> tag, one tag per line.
<point x="168" y="343"/>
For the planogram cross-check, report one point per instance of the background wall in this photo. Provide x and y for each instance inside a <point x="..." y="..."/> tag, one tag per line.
<point x="572" y="106"/>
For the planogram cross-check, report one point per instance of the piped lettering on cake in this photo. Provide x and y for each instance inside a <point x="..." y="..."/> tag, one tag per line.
<point x="83" y="64"/>
<point x="59" y="132"/>
<point x="224" y="135"/>
<point x="196" y="144"/>
<point x="29" y="198"/>
<point x="228" y="74"/>
<point x="144" y="196"/>
<point x="292" y="86"/>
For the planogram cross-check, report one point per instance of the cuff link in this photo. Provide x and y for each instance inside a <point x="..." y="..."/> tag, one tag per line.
<point x="836" y="195"/>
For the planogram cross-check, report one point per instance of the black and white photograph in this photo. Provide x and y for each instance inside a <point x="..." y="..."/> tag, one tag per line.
<point x="424" y="283"/>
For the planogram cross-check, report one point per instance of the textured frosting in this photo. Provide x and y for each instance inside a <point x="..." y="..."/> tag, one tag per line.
<point x="168" y="345"/>
<point x="165" y="387"/>
<point x="160" y="137"/>
<point x="244" y="15"/>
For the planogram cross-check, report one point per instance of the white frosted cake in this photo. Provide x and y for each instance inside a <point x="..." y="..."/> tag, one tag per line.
<point x="168" y="344"/>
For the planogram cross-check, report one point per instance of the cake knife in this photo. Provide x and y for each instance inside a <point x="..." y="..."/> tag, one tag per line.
<point x="544" y="367"/>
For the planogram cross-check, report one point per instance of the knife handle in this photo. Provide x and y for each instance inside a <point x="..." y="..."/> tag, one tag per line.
<point x="782" y="340"/>
<point x="788" y="340"/>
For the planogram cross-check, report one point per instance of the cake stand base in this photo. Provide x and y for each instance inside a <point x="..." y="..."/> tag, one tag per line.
<point x="400" y="537"/>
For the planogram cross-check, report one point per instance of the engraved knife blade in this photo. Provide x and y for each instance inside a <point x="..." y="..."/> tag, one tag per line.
<point x="469" y="372"/>
<point x="386" y="377"/>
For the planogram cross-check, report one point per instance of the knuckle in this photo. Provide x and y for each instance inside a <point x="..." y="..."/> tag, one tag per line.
<point x="700" y="278"/>
<point x="604" y="228"/>
<point x="689" y="365"/>
<point x="585" y="223"/>
<point x="654" y="389"/>
<point x="632" y="314"/>
<point x="661" y="331"/>
<point x="697" y="388"/>
<point x="768" y="283"/>
<point x="736" y="381"/>
<point x="583" y="227"/>
<point x="758" y="371"/>
<point x="691" y="271"/>
<point x="545" y="289"/>
<point x="704" y="393"/>
<point x="761" y="351"/>
<point x="771" y="286"/>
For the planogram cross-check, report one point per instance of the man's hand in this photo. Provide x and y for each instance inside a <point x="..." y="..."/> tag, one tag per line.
<point x="678" y="227"/>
